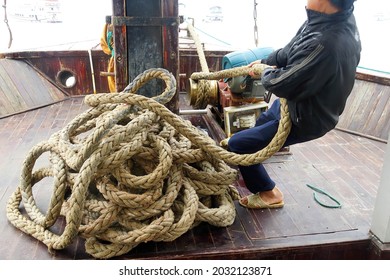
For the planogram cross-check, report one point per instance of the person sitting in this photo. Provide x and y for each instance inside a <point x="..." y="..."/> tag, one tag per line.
<point x="315" y="73"/>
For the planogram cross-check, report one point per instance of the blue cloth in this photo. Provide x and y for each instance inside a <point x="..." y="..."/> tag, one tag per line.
<point x="254" y="139"/>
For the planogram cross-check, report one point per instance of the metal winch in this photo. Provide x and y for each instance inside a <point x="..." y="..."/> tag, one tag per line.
<point x="236" y="101"/>
<point x="236" y="90"/>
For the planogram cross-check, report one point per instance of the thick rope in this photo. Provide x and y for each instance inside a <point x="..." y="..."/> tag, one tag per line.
<point x="257" y="69"/>
<point x="129" y="171"/>
<point x="199" y="48"/>
<point x="205" y="143"/>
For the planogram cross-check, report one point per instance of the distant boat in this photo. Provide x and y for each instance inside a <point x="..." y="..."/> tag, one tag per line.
<point x="214" y="14"/>
<point x="40" y="11"/>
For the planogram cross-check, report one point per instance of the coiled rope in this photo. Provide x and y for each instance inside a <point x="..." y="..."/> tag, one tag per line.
<point x="128" y="171"/>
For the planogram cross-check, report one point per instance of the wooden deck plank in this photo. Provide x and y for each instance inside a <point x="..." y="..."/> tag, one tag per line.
<point x="345" y="165"/>
<point x="185" y="243"/>
<point x="309" y="217"/>
<point x="237" y="232"/>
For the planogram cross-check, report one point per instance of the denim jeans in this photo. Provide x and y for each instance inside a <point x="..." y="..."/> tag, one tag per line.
<point x="254" y="139"/>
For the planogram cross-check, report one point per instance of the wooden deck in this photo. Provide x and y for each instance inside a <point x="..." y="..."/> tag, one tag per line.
<point x="345" y="165"/>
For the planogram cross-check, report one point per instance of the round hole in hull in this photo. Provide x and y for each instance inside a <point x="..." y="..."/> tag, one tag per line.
<point x="66" y="78"/>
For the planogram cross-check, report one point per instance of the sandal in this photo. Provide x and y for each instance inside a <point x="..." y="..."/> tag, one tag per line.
<point x="255" y="202"/>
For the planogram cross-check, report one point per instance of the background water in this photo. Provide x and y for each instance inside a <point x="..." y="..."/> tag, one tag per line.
<point x="277" y="21"/>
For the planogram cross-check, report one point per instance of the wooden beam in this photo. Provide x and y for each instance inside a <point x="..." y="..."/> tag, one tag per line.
<point x="120" y="47"/>
<point x="171" y="48"/>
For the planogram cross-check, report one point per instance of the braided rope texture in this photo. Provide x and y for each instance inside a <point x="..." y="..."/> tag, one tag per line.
<point x="129" y="171"/>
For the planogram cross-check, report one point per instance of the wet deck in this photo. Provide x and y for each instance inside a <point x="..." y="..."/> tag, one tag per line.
<point x="346" y="166"/>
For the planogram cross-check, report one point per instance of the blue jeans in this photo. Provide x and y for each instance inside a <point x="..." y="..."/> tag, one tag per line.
<point x="254" y="139"/>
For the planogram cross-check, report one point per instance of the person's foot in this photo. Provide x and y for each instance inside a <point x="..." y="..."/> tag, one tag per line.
<point x="272" y="198"/>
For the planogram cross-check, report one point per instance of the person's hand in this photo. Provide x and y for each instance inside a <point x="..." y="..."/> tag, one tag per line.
<point x="252" y="64"/>
<point x="251" y="73"/>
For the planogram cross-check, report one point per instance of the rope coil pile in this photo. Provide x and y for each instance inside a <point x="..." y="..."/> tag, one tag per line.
<point x="128" y="171"/>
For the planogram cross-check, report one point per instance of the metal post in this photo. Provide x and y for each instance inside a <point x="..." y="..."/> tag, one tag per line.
<point x="146" y="35"/>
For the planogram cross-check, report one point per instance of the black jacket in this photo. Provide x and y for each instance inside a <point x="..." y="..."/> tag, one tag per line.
<point x="316" y="71"/>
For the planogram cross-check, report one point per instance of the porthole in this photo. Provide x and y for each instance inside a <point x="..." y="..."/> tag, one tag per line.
<point x="66" y="78"/>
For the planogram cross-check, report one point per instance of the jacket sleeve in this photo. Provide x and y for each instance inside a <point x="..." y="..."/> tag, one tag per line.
<point x="304" y="74"/>
<point x="279" y="57"/>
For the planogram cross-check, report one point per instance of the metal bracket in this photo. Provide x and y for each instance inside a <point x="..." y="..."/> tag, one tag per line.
<point x="145" y="21"/>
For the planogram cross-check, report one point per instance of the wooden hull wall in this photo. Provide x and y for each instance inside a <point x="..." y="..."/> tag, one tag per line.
<point x="51" y="63"/>
<point x="367" y="110"/>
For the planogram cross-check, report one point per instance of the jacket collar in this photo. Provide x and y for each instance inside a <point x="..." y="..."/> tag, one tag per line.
<point x="314" y="17"/>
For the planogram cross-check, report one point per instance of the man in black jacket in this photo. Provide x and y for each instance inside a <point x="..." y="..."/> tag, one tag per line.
<point x="315" y="73"/>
